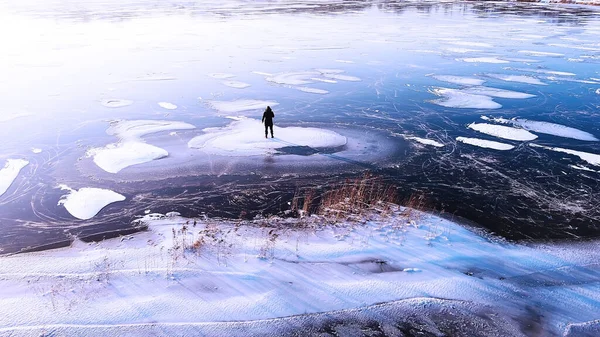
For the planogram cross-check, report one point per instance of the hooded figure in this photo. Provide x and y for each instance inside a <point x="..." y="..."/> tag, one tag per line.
<point x="267" y="118"/>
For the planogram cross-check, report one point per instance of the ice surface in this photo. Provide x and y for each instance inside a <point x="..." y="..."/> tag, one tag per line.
<point x="454" y="98"/>
<point x="462" y="80"/>
<point x="244" y="137"/>
<point x="425" y="141"/>
<point x="236" y="84"/>
<point x="313" y="90"/>
<point x="517" y="78"/>
<point x="494" y="92"/>
<point x="503" y="131"/>
<point x="135" y="129"/>
<point x="116" y="103"/>
<point x="485" y="143"/>
<point x="10" y="172"/>
<point x="221" y="75"/>
<point x="167" y="105"/>
<point x="546" y="128"/>
<point x="540" y="53"/>
<point x="241" y="105"/>
<point x="483" y="60"/>
<point x="115" y="157"/>
<point x="86" y="202"/>
<point x="591" y="158"/>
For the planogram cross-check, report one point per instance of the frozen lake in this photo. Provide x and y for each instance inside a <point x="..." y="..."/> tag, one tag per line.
<point x="491" y="110"/>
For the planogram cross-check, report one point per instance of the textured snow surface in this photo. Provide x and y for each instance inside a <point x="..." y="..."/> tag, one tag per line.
<point x="455" y="98"/>
<point x="9" y="173"/>
<point x="546" y="128"/>
<point x="198" y="276"/>
<point x="241" y="105"/>
<point x="485" y="143"/>
<point x="462" y="80"/>
<point x="517" y="78"/>
<point x="86" y="202"/>
<point x="591" y="158"/>
<point x="503" y="131"/>
<point x="244" y="137"/>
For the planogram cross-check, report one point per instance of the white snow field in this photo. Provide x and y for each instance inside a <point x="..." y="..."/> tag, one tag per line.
<point x="489" y="144"/>
<point x="241" y="105"/>
<point x="517" y="78"/>
<point x="116" y="102"/>
<point x="131" y="150"/>
<point x="501" y="131"/>
<point x="86" y="202"/>
<point x="425" y="141"/>
<point x="455" y="98"/>
<point x="206" y="277"/>
<point x="462" y="80"/>
<point x="240" y="138"/>
<point x="9" y="173"/>
<point x="546" y="128"/>
<point x="591" y="158"/>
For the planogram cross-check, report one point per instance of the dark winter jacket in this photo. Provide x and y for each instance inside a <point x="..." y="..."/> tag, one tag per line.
<point x="268" y="116"/>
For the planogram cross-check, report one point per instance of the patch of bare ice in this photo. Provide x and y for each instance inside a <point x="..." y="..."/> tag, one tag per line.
<point x="485" y="143"/>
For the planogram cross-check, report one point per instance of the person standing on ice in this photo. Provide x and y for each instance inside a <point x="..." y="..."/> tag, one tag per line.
<point x="268" y="116"/>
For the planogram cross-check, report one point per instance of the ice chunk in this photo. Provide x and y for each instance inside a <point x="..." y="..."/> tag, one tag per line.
<point x="483" y="60"/>
<point x="10" y="172"/>
<point x="546" y="128"/>
<point x="494" y="92"/>
<point x="221" y="75"/>
<point x="591" y="158"/>
<point x="115" y="157"/>
<point x="503" y="131"/>
<point x="244" y="138"/>
<point x="167" y="105"/>
<point x="517" y="78"/>
<point x="241" y="105"/>
<point x="313" y="90"/>
<point x="425" y="141"/>
<point x="116" y="103"/>
<point x="293" y="78"/>
<point x="236" y="84"/>
<point x="485" y="143"/>
<point x="86" y="202"/>
<point x="462" y="80"/>
<point x="540" y="53"/>
<point x="134" y="129"/>
<point x="454" y="98"/>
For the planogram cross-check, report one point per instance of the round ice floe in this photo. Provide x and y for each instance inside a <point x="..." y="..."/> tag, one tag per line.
<point x="86" y="202"/>
<point x="313" y="90"/>
<point x="462" y="80"/>
<point x="503" y="131"/>
<point x="494" y="92"/>
<point x="10" y="172"/>
<point x="244" y="137"/>
<point x="591" y="158"/>
<point x="236" y="84"/>
<point x="134" y="129"/>
<point x="546" y="128"/>
<point x="116" y="103"/>
<point x="517" y="78"/>
<point x="115" y="157"/>
<point x="454" y="98"/>
<point x="167" y="105"/>
<point x="241" y="105"/>
<point x="483" y="60"/>
<point x="485" y="143"/>
<point x="221" y="75"/>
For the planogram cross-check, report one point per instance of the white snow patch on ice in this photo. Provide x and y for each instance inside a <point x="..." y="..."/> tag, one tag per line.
<point x="329" y="71"/>
<point x="343" y="77"/>
<point x="454" y="98"/>
<point x="503" y="131"/>
<point x="293" y="78"/>
<point x="544" y="71"/>
<point x="462" y="50"/>
<point x="236" y="84"/>
<point x="546" y="128"/>
<point x="517" y="78"/>
<point x="494" y="92"/>
<point x="425" y="141"/>
<point x="313" y="90"/>
<point x="471" y="44"/>
<point x="462" y="80"/>
<point x="591" y="158"/>
<point x="485" y="143"/>
<point x="9" y="173"/>
<point x="540" y="53"/>
<point x="167" y="105"/>
<point x="241" y="105"/>
<point x="36" y="150"/>
<point x="135" y="129"/>
<point x="116" y="103"/>
<point x="325" y="80"/>
<point x="117" y="156"/>
<point x="583" y="168"/>
<point x="344" y="61"/>
<point x="598" y="91"/>
<point x="483" y="60"/>
<point x="262" y="73"/>
<point x="86" y="202"/>
<point x="221" y="75"/>
<point x="241" y="138"/>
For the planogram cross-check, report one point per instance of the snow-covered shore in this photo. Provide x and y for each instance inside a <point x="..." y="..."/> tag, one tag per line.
<point x="204" y="276"/>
